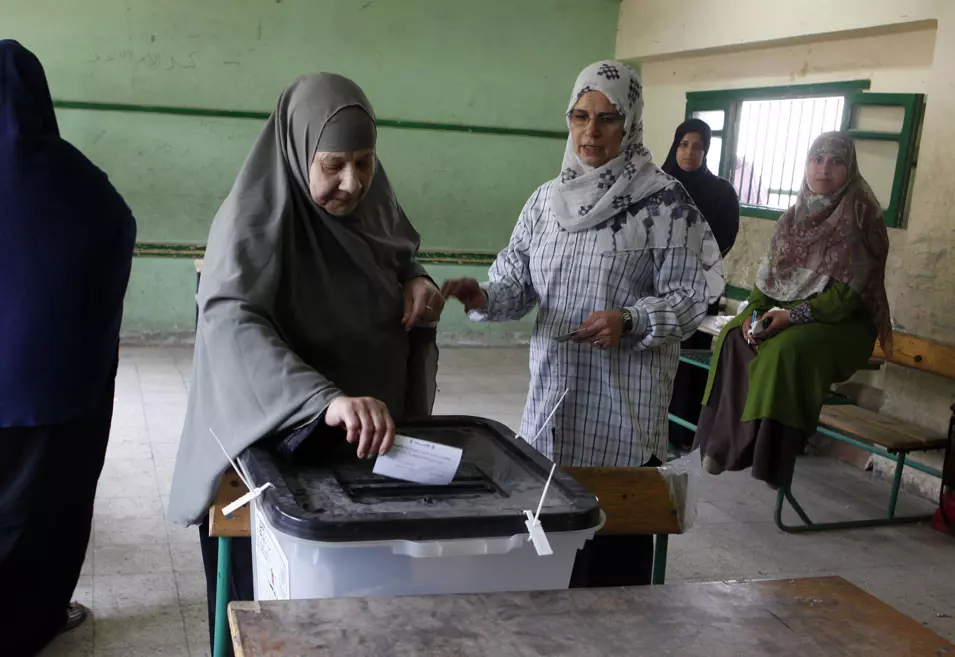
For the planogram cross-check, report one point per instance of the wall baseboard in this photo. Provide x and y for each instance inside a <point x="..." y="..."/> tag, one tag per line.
<point x="445" y="340"/>
<point x="157" y="339"/>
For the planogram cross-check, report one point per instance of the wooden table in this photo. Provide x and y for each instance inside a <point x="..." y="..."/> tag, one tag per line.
<point x="225" y="528"/>
<point x="636" y="501"/>
<point x="782" y="618"/>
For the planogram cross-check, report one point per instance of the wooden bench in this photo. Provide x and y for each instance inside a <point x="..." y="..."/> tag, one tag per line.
<point x="873" y="432"/>
<point x="635" y="501"/>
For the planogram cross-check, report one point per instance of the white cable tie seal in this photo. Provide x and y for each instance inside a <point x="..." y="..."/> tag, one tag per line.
<point x="252" y="493"/>
<point x="534" y="528"/>
<point x="245" y="499"/>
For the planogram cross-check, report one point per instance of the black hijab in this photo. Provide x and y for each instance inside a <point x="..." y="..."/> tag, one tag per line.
<point x="66" y="246"/>
<point x="715" y="197"/>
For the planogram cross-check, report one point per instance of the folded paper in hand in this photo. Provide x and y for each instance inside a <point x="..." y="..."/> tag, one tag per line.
<point x="419" y="461"/>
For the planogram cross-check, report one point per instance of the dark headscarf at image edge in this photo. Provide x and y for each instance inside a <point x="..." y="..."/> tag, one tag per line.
<point x="66" y="245"/>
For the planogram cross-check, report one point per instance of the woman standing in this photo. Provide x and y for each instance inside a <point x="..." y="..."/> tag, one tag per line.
<point x="714" y="197"/>
<point x="308" y="303"/>
<point x="718" y="202"/>
<point x="617" y="257"/>
<point x="822" y="290"/>
<point x="66" y="248"/>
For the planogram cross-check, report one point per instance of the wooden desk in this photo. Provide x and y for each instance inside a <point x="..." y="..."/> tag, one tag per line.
<point x="782" y="618"/>
<point x="636" y="501"/>
<point x="225" y="528"/>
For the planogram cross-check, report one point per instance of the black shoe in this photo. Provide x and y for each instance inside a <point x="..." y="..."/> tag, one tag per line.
<point x="76" y="615"/>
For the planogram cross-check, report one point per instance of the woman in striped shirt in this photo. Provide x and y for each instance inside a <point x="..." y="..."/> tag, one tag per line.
<point x="621" y="266"/>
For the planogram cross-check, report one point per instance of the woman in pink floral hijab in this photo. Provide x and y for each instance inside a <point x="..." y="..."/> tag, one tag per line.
<point x="819" y="304"/>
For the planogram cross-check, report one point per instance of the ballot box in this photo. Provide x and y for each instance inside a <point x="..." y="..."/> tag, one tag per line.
<point x="329" y="527"/>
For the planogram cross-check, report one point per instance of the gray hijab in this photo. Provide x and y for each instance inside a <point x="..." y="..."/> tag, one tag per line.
<point x="296" y="306"/>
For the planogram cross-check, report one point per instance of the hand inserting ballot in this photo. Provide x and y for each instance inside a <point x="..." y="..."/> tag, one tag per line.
<point x="366" y="421"/>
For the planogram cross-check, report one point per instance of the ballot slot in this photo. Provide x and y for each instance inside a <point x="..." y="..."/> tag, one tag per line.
<point x="361" y="485"/>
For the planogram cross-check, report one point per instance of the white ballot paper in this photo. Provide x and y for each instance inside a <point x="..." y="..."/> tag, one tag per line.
<point x="419" y="461"/>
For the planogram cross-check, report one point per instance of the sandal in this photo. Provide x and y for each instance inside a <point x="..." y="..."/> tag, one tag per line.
<point x="76" y="615"/>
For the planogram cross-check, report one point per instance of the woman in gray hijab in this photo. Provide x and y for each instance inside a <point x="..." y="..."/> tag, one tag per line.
<point x="308" y="304"/>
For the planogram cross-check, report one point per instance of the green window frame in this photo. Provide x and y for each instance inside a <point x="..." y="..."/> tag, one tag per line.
<point x="856" y="96"/>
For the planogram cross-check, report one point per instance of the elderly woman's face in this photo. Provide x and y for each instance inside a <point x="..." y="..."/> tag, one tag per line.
<point x="826" y="173"/>
<point x="338" y="182"/>
<point x="690" y="152"/>
<point x="596" y="129"/>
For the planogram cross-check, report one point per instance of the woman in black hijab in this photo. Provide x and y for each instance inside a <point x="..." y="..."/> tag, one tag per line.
<point x="718" y="202"/>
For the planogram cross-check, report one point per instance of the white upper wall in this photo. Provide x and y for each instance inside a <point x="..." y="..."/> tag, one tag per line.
<point x="656" y="28"/>
<point x="893" y="63"/>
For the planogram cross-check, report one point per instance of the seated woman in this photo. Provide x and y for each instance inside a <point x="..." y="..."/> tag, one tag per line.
<point x="718" y="202"/>
<point x="822" y="291"/>
<point x="616" y="256"/>
<point x="309" y="296"/>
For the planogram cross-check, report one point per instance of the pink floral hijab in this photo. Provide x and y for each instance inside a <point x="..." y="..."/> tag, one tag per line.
<point x="838" y="237"/>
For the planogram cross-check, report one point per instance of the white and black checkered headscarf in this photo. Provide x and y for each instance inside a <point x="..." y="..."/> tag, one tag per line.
<point x="585" y="196"/>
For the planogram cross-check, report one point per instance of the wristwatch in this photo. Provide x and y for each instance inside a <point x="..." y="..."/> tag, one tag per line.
<point x="627" y="320"/>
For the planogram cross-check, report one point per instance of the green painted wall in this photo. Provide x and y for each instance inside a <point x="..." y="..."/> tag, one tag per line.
<point x="507" y="63"/>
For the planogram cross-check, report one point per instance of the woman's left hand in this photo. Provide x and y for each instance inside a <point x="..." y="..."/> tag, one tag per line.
<point x="602" y="329"/>
<point x="780" y="322"/>
<point x="423" y="302"/>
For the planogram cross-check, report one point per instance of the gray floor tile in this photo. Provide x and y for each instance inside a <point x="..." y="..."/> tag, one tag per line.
<point x="88" y="561"/>
<point x="192" y="587"/>
<point x="186" y="556"/>
<point x="140" y="629"/>
<point x="127" y="478"/>
<point x="128" y="449"/>
<point x="140" y="651"/>
<point x="123" y="508"/>
<point x="83" y="593"/>
<point x="129" y="531"/>
<point x="179" y="534"/>
<point x="113" y="593"/>
<point x="132" y="560"/>
<point x="196" y="619"/>
<point x="164" y="453"/>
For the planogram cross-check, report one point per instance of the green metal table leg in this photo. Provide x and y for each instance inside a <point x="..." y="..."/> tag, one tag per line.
<point x="660" y="559"/>
<point x="796" y="506"/>
<point x="221" y="641"/>
<point x="896" y="484"/>
<point x="785" y="493"/>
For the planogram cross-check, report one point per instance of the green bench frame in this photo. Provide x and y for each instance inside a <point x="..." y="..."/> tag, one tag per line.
<point x="703" y="360"/>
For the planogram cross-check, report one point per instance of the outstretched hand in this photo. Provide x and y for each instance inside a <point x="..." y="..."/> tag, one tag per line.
<point x="467" y="291"/>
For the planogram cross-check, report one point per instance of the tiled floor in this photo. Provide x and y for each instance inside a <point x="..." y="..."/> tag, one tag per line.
<point x="143" y="575"/>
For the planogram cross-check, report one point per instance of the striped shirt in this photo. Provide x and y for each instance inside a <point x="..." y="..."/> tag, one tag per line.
<point x="615" y="413"/>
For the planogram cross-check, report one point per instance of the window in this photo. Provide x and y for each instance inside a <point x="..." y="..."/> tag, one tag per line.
<point x="761" y="139"/>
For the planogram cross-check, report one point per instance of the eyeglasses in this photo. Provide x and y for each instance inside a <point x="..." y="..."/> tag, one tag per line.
<point x="580" y="118"/>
